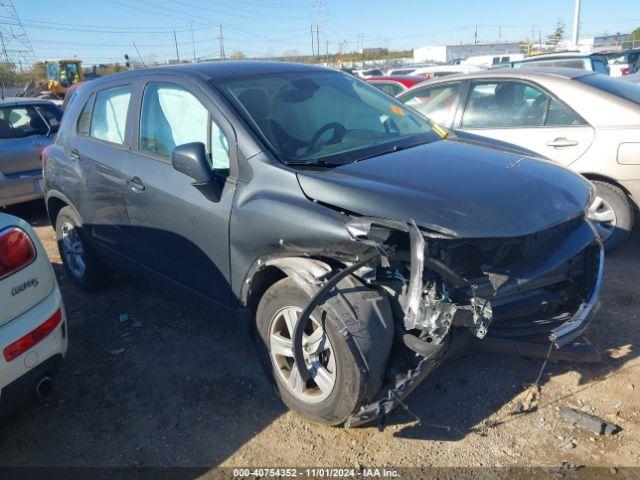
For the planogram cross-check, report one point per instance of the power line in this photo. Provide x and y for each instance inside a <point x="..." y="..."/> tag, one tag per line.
<point x="16" y="46"/>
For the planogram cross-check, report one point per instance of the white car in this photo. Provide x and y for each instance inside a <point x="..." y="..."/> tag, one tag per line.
<point x="580" y="119"/>
<point x="33" y="330"/>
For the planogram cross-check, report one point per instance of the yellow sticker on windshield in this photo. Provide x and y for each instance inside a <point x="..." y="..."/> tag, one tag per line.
<point x="396" y="109"/>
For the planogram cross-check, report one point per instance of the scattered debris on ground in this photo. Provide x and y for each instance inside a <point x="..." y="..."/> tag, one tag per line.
<point x="589" y="422"/>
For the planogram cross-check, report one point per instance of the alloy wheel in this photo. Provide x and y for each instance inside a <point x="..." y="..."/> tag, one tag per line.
<point x="318" y="354"/>
<point x="603" y="216"/>
<point x="73" y="250"/>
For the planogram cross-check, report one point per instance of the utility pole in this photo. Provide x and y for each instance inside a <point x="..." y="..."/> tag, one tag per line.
<point x="576" y="23"/>
<point x="175" y="39"/>
<point x="475" y="36"/>
<point x="533" y="34"/>
<point x="4" y="48"/>
<point x="318" y="17"/>
<point x="138" y="52"/>
<point x="222" y="56"/>
<point x="327" y="52"/>
<point x="499" y="33"/>
<point x="313" y="49"/>
<point x="193" y="42"/>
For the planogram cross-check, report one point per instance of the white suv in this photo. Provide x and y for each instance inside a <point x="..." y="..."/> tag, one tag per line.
<point x="33" y="330"/>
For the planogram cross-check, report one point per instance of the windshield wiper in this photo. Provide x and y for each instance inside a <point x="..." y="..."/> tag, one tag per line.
<point x="392" y="149"/>
<point x="314" y="163"/>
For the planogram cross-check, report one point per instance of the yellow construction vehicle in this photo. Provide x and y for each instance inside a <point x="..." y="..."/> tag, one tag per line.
<point x="61" y="74"/>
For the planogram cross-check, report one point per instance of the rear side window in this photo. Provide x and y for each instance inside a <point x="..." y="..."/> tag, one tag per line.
<point x="52" y="114"/>
<point x="84" y="120"/>
<point x="109" y="117"/>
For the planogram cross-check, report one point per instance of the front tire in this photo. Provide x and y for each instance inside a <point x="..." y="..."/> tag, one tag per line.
<point x="78" y="257"/>
<point x="339" y="386"/>
<point x="612" y="214"/>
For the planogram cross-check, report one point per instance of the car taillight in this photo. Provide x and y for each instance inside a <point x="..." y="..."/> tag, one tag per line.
<point x="43" y="155"/>
<point x="35" y="336"/>
<point x="16" y="251"/>
<point x="624" y="71"/>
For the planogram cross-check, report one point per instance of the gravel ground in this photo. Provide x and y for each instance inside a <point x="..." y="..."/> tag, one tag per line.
<point x="171" y="386"/>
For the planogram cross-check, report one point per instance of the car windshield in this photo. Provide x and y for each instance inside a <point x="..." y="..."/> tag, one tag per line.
<point x="627" y="90"/>
<point x="324" y="117"/>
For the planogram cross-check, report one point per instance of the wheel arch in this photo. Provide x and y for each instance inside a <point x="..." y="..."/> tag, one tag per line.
<point x="56" y="201"/>
<point x="603" y="178"/>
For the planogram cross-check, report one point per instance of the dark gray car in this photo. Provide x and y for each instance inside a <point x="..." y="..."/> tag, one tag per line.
<point x="328" y="217"/>
<point x="27" y="126"/>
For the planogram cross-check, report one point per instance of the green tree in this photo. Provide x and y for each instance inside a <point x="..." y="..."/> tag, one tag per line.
<point x="8" y="75"/>
<point x="633" y="40"/>
<point x="554" y="38"/>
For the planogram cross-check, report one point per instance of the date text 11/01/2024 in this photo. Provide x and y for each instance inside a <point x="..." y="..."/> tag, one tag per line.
<point x="315" y="472"/>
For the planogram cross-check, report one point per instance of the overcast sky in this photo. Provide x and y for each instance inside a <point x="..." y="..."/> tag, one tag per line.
<point x="100" y="31"/>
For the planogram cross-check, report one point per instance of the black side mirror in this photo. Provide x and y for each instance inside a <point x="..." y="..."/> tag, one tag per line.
<point x="191" y="159"/>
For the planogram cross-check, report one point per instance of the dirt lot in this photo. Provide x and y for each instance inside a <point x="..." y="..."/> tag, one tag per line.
<point x="171" y="386"/>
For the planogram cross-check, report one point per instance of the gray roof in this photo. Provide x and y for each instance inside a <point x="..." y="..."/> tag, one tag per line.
<point x="521" y="73"/>
<point x="208" y="70"/>
<point x="10" y="101"/>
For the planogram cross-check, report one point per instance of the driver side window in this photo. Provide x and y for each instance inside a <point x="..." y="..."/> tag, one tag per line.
<point x="172" y="116"/>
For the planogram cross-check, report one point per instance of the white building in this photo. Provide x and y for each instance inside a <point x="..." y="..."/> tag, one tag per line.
<point x="453" y="53"/>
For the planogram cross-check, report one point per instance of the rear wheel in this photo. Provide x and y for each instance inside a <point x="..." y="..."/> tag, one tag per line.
<point x="612" y="214"/>
<point x="338" y="387"/>
<point x="80" y="261"/>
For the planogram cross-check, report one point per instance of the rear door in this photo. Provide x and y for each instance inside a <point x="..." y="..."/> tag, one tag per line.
<point x="23" y="134"/>
<point x="99" y="146"/>
<point x="524" y="114"/>
<point x="177" y="231"/>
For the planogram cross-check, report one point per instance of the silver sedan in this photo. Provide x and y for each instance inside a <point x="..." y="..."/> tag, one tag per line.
<point x="27" y="126"/>
<point x="584" y="120"/>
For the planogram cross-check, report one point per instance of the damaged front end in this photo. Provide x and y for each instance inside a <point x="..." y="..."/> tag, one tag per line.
<point x="538" y="289"/>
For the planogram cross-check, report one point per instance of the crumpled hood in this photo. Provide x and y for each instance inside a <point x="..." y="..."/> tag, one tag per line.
<point x="452" y="186"/>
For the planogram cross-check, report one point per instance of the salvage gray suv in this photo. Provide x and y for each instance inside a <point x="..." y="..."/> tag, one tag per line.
<point x="337" y="223"/>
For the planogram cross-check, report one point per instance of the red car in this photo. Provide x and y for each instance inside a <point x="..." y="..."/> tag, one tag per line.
<point x="394" y="84"/>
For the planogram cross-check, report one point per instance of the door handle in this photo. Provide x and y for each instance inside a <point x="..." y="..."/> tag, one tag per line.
<point x="562" y="142"/>
<point x="75" y="154"/>
<point x="136" y="184"/>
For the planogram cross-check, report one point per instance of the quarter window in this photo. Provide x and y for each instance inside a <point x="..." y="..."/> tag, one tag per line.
<point x="84" y="120"/>
<point x="171" y="116"/>
<point x="434" y="103"/>
<point x="110" y="114"/>
<point x="514" y="104"/>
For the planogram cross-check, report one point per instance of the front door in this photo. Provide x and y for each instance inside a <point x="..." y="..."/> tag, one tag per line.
<point x="175" y="230"/>
<point x="524" y="115"/>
